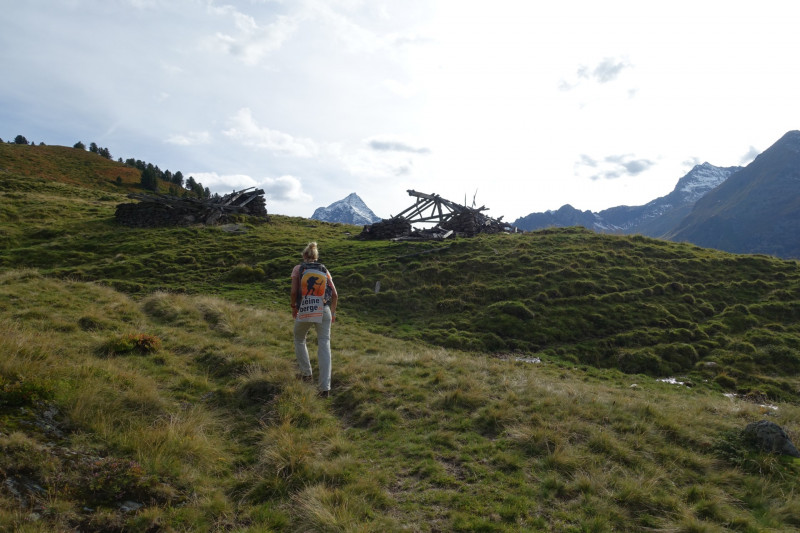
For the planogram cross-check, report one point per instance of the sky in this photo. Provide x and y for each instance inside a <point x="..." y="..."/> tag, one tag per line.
<point x="515" y="105"/>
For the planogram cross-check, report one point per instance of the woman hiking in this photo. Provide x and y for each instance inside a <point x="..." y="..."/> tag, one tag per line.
<point x="314" y="300"/>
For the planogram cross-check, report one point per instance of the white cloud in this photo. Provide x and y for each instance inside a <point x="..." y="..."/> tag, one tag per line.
<point x="403" y="90"/>
<point x="251" y="41"/>
<point x="393" y="145"/>
<point x="378" y="158"/>
<point x="607" y="70"/>
<point x="355" y="37"/>
<point x="283" y="188"/>
<point x="223" y="184"/>
<point x="612" y="166"/>
<point x="191" y="138"/>
<point x="749" y="156"/>
<point x="245" y="130"/>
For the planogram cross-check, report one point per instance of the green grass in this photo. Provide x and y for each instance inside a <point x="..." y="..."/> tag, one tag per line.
<point x="213" y="431"/>
<point x="156" y="366"/>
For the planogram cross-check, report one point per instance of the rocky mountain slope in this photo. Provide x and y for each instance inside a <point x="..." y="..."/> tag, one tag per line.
<point x="350" y="210"/>
<point x="757" y="210"/>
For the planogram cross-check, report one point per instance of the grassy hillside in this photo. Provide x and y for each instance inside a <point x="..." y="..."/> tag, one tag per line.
<point x="155" y="367"/>
<point x="212" y="431"/>
<point x="633" y="303"/>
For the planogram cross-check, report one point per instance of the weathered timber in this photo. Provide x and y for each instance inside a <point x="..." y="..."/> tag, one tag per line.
<point x="386" y="229"/>
<point x="163" y="210"/>
<point x="451" y="219"/>
<point x="433" y="208"/>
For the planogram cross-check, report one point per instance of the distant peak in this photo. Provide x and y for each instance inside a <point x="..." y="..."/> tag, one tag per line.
<point x="790" y="141"/>
<point x="350" y="210"/>
<point x="791" y="137"/>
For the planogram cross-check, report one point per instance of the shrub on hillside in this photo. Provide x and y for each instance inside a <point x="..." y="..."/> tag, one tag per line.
<point x="244" y="274"/>
<point x="641" y="362"/>
<point x="20" y="392"/>
<point x="109" y="480"/>
<point x="678" y="356"/>
<point x="508" y="319"/>
<point x="133" y="343"/>
<point x="780" y="359"/>
<point x="450" y="304"/>
<point x="738" y="318"/>
<point x="94" y="323"/>
<point x="725" y="381"/>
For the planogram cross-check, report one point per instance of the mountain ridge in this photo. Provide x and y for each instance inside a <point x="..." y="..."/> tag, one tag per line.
<point x="757" y="210"/>
<point x="653" y="219"/>
<point x="751" y="209"/>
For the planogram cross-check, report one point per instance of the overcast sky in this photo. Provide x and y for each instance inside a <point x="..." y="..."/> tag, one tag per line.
<point x="524" y="105"/>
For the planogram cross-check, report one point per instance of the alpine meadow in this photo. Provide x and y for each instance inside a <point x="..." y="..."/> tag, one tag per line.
<point x="555" y="380"/>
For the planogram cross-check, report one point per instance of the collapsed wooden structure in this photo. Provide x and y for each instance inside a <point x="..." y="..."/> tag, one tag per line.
<point x="163" y="210"/>
<point x="450" y="219"/>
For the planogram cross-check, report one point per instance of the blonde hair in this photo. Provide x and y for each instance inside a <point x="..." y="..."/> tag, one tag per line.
<point x="310" y="252"/>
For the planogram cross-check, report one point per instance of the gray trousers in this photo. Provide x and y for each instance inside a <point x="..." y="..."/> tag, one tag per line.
<point x="323" y="348"/>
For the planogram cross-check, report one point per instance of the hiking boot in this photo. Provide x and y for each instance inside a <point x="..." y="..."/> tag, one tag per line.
<point x="307" y="379"/>
<point x="324" y="394"/>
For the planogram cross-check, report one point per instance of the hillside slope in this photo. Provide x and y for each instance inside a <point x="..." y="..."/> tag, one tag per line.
<point x="147" y="381"/>
<point x="628" y="302"/>
<point x="176" y="412"/>
<point x="67" y="165"/>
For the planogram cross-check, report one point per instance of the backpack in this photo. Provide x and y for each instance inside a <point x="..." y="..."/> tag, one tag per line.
<point x="313" y="281"/>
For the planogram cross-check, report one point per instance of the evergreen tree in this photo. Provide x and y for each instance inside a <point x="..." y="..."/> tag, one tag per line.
<point x="79" y="145"/>
<point x="93" y="148"/>
<point x="19" y="139"/>
<point x="177" y="178"/>
<point x="150" y="178"/>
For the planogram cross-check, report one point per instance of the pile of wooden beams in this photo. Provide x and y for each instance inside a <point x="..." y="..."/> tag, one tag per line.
<point x="452" y="220"/>
<point x="163" y="210"/>
<point x="386" y="229"/>
<point x="470" y="223"/>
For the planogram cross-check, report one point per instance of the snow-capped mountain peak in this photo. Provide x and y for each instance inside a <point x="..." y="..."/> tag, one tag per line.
<point x="701" y="179"/>
<point x="349" y="210"/>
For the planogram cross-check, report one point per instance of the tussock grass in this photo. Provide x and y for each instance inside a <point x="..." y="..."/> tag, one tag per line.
<point x="437" y="422"/>
<point x="416" y="437"/>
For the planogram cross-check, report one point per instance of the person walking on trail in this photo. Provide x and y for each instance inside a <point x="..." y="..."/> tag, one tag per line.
<point x="314" y="300"/>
